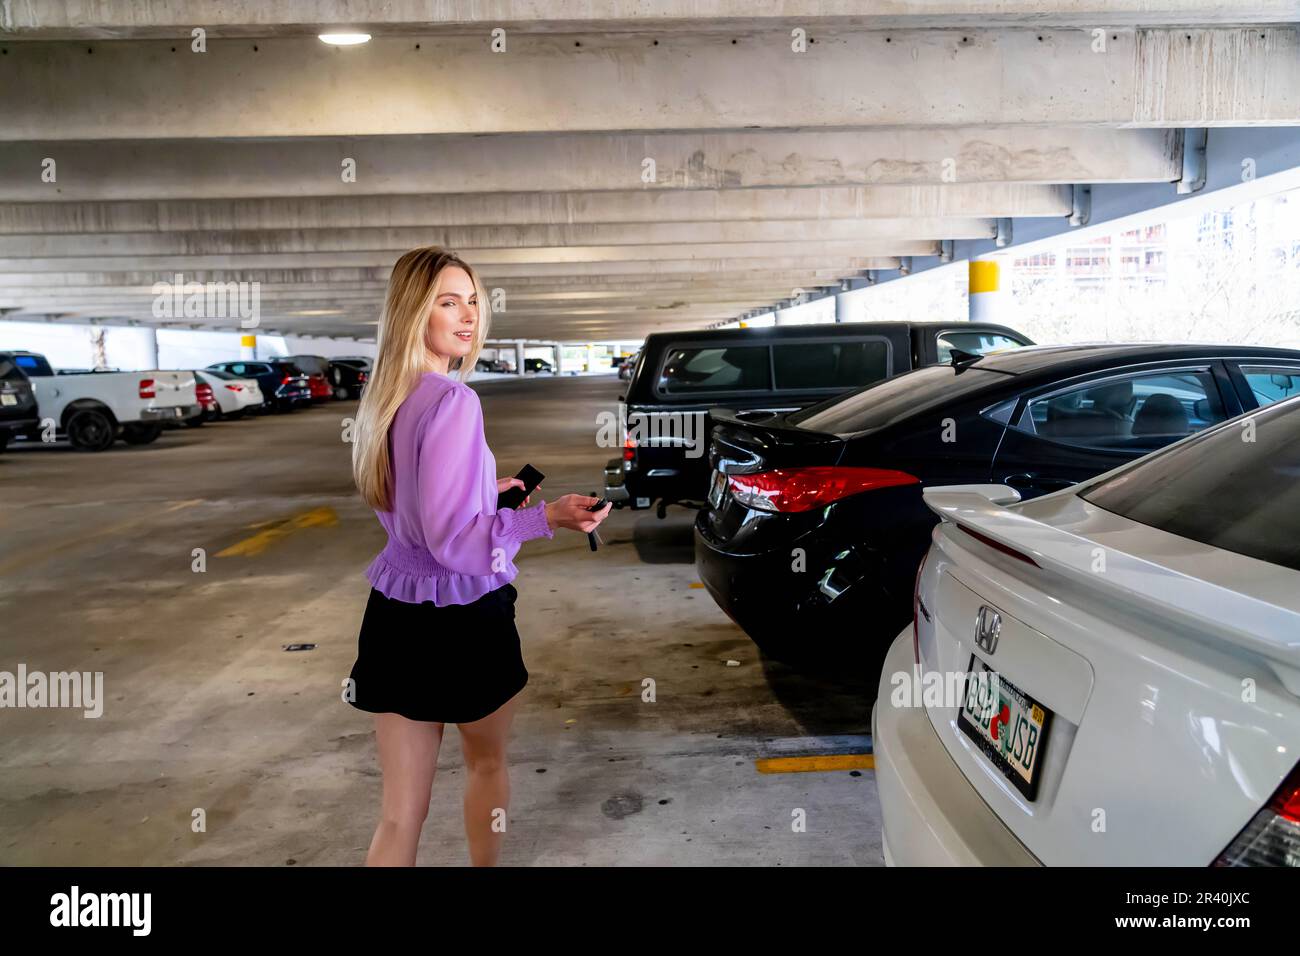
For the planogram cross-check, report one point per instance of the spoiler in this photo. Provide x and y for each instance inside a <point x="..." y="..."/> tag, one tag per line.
<point x="1210" y="612"/>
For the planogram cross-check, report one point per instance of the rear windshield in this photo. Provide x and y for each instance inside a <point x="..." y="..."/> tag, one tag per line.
<point x="1236" y="487"/>
<point x="30" y="364"/>
<point x="893" y="399"/>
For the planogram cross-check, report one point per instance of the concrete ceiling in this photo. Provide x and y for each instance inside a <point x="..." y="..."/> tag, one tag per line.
<point x="614" y="170"/>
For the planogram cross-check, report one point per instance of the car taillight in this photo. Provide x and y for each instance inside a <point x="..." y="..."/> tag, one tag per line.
<point x="146" y="388"/>
<point x="917" y="610"/>
<point x="363" y="377"/>
<point x="629" y="449"/>
<point x="204" y="392"/>
<point x="1272" y="838"/>
<point x="286" y="380"/>
<point x="789" y="490"/>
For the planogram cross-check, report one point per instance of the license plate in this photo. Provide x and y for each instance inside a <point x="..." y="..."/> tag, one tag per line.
<point x="1009" y="726"/>
<point x="7" y="399"/>
<point x="717" y="489"/>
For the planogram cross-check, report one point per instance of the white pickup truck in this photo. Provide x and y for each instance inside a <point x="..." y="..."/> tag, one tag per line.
<point x="94" y="409"/>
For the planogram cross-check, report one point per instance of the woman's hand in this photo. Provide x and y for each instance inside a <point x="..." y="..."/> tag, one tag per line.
<point x="505" y="484"/>
<point x="570" y="511"/>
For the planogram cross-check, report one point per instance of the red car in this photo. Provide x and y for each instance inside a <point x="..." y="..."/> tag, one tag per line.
<point x="209" y="408"/>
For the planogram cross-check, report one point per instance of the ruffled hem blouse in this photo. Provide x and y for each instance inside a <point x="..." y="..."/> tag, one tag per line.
<point x="447" y="543"/>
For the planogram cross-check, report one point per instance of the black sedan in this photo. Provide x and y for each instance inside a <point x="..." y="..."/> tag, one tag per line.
<point x="815" y="525"/>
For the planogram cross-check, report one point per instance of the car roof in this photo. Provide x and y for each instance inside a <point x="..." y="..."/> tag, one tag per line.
<point x="1035" y="358"/>
<point x="829" y="329"/>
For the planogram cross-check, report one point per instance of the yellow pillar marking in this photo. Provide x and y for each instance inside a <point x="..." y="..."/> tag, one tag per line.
<point x="816" y="764"/>
<point x="983" y="275"/>
<point x="316" y="518"/>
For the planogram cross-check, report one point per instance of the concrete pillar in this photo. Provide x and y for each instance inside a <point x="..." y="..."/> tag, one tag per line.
<point x="247" y="348"/>
<point x="985" y="295"/>
<point x="591" y="358"/>
<point x="519" y="358"/>
<point x="559" y="354"/>
<point x="841" y="308"/>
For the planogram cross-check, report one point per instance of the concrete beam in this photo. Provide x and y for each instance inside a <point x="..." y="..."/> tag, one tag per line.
<point x="534" y="261"/>
<point x="297" y="86"/>
<point x="101" y="19"/>
<point x="945" y="201"/>
<point x="791" y="233"/>
<point x="463" y="165"/>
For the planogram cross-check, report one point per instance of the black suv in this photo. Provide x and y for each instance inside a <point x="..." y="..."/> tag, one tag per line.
<point x="17" y="400"/>
<point x="663" y="422"/>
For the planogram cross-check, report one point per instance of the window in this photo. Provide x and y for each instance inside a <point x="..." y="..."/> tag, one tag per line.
<point x="1241" y="496"/>
<point x="33" y="365"/>
<point x="829" y="364"/>
<point x="1132" y="412"/>
<point x="979" y="343"/>
<point x="1270" y="385"/>
<point x="715" y="369"/>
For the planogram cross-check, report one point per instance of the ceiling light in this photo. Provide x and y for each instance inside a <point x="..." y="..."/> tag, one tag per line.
<point x="344" y="39"/>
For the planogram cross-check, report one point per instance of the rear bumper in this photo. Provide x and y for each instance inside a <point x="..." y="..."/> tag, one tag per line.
<point x="615" y="490"/>
<point x="19" y="424"/>
<point x="930" y="814"/>
<point x="173" y="413"/>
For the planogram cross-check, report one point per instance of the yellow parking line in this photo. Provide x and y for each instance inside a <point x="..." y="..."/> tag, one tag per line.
<point x="696" y="584"/>
<point x="816" y="764"/>
<point x="316" y="518"/>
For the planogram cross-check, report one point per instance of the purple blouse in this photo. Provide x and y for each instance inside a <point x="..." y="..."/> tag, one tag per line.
<point x="447" y="543"/>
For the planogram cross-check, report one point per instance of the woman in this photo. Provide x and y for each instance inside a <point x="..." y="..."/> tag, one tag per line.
<point x="438" y="643"/>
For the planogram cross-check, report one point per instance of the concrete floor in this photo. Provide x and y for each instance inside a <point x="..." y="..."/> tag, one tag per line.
<point x="205" y="710"/>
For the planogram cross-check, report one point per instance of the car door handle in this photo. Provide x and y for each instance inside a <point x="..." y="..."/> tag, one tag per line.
<point x="1034" y="481"/>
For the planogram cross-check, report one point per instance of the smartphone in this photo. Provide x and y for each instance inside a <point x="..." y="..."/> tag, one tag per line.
<point x="514" y="497"/>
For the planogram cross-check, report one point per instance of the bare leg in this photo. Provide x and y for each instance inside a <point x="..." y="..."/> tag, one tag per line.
<point x="487" y="791"/>
<point x="408" y="756"/>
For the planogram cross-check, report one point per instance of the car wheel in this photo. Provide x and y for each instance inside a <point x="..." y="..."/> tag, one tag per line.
<point x="234" y="416"/>
<point x="341" y="393"/>
<point x="197" y="420"/>
<point x="90" y="430"/>
<point x="4" y="440"/>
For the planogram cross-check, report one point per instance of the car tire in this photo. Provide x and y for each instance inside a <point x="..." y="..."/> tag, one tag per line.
<point x="341" y="393"/>
<point x="4" y="440"/>
<point x="234" y="416"/>
<point x="197" y="420"/>
<point x="137" y="433"/>
<point x="91" y="430"/>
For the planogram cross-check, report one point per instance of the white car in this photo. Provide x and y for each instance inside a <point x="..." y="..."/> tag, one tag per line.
<point x="234" y="394"/>
<point x="1110" y="674"/>
<point x="94" y="409"/>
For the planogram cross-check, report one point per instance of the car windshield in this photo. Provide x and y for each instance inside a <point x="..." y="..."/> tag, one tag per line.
<point x="219" y="373"/>
<point x="892" y="400"/>
<point x="1236" y="487"/>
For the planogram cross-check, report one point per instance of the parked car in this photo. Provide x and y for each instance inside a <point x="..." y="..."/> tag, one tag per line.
<point x="815" y="523"/>
<point x="208" y="407"/>
<point x="348" y="378"/>
<point x="503" y="365"/>
<point x="283" y="385"/>
<point x="363" y="362"/>
<point x="1126" y="644"/>
<point x="234" y="395"/>
<point x="17" y="400"/>
<point x="319" y="377"/>
<point x="537" y="365"/>
<point x="679" y="376"/>
<point x="94" y="409"/>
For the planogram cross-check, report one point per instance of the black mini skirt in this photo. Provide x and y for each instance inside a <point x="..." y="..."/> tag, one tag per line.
<point x="453" y="664"/>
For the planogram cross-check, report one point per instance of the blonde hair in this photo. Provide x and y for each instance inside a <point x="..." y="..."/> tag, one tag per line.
<point x="403" y="358"/>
